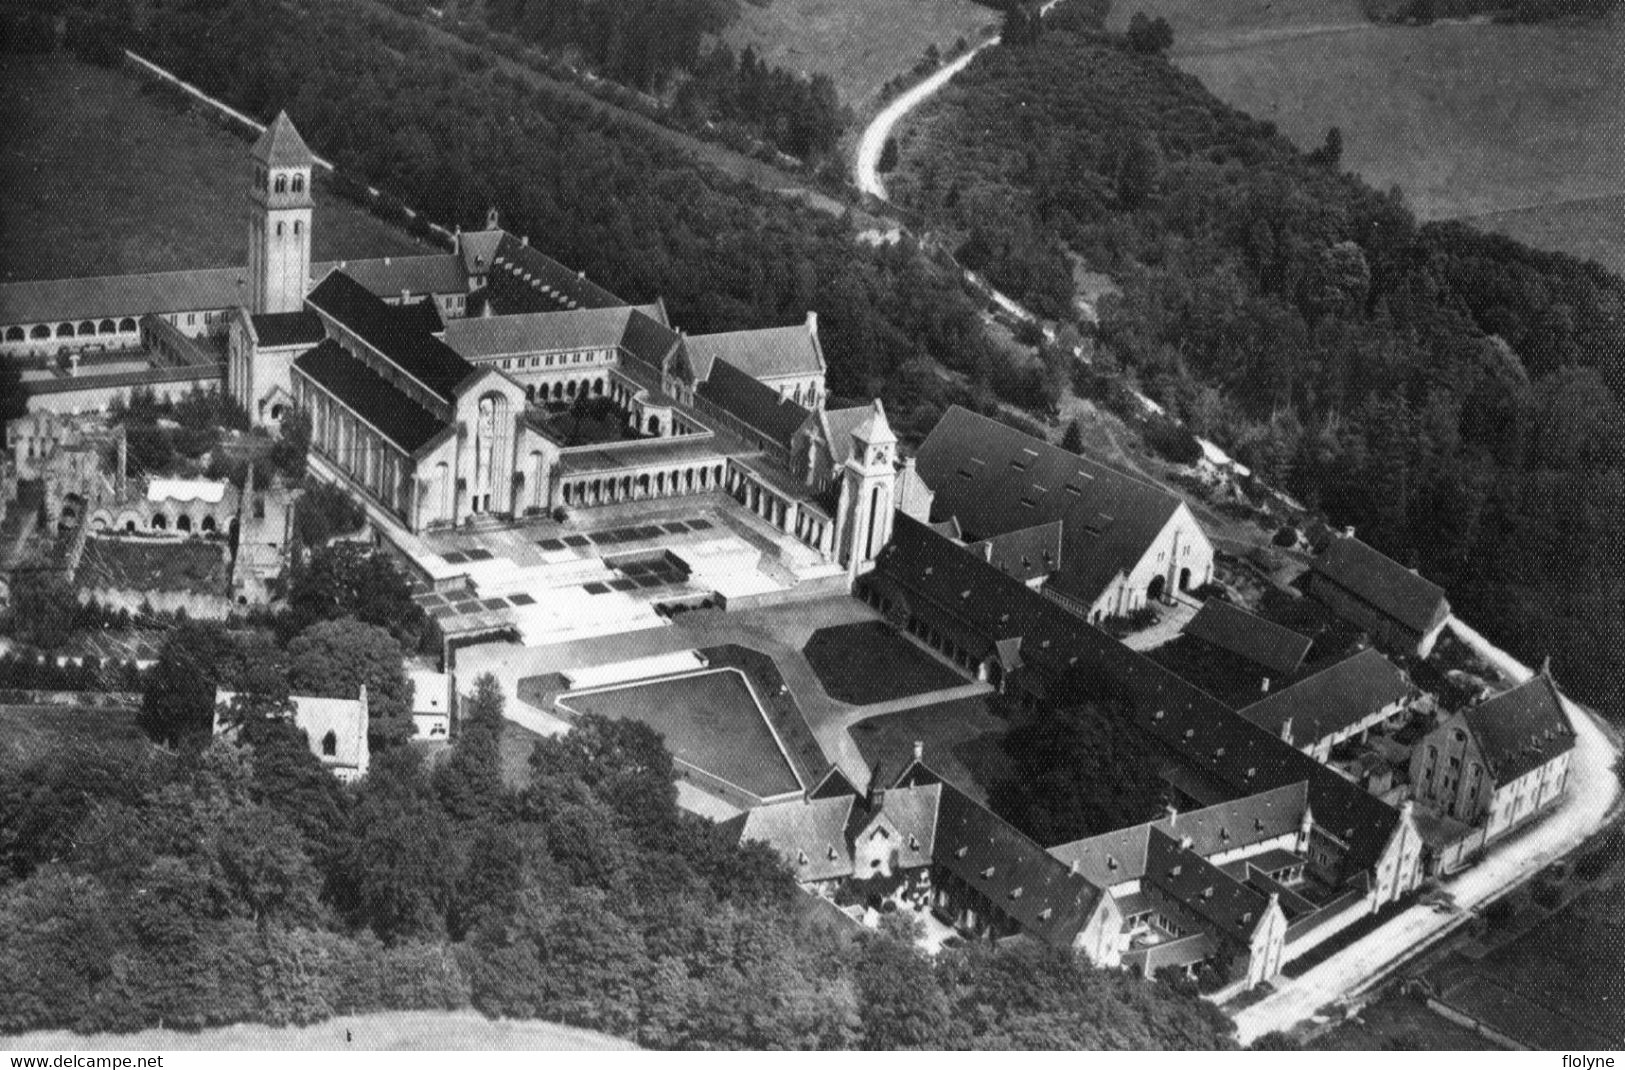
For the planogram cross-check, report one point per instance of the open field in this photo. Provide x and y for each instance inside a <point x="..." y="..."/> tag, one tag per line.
<point x="860" y="44"/>
<point x="387" y="1031"/>
<point x="961" y="741"/>
<point x="1469" y="120"/>
<point x="99" y="179"/>
<point x="1405" y="1024"/>
<point x="28" y="732"/>
<point x="709" y="720"/>
<point x="873" y="662"/>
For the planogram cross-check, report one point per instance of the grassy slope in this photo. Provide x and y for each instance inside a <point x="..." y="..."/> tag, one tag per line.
<point x="29" y="732"/>
<point x="100" y="180"/>
<point x="861" y="44"/>
<point x="1468" y="120"/>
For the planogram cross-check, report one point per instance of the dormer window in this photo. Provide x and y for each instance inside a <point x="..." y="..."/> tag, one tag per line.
<point x="987" y="874"/>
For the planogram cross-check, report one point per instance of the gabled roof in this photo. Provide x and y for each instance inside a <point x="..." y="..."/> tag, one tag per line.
<point x="393" y="332"/>
<point x="997" y="479"/>
<point x="525" y="279"/>
<point x="1383" y="583"/>
<point x="1025" y="553"/>
<point x="281" y="145"/>
<point x="1521" y="729"/>
<point x="372" y="397"/>
<point x="1260" y="641"/>
<point x="764" y="353"/>
<point x="387" y="277"/>
<point x="275" y="329"/>
<point x="1206" y="890"/>
<point x="1216" y="742"/>
<point x="1332" y="699"/>
<point x="547" y="332"/>
<point x="754" y="403"/>
<point x="478" y="248"/>
<point x="837" y="426"/>
<point x="987" y="853"/>
<point x="93" y="297"/>
<point x="809" y="834"/>
<point x="1118" y="856"/>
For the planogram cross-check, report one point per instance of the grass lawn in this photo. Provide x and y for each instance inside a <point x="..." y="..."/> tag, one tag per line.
<point x="29" y="732"/>
<point x="709" y="720"/>
<point x="1399" y="1022"/>
<point x="1466" y="119"/>
<point x="961" y="741"/>
<point x="860" y="44"/>
<point x="197" y="565"/>
<point x="872" y="661"/>
<point x="100" y="179"/>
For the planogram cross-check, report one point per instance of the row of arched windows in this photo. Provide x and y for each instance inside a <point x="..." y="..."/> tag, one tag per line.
<point x="294" y="183"/>
<point x="43" y="331"/>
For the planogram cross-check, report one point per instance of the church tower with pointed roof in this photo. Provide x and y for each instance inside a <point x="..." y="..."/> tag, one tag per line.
<point x="279" y="224"/>
<point x="863" y="517"/>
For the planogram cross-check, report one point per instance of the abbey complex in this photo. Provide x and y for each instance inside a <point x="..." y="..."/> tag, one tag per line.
<point x="602" y="511"/>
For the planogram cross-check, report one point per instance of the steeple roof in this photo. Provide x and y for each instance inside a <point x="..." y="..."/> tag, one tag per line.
<point x="281" y="145"/>
<point x="875" y="429"/>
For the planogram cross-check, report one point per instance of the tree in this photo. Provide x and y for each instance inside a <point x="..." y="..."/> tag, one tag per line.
<point x="1330" y="153"/>
<point x="1149" y="36"/>
<point x="1072" y="438"/>
<point x="902" y="1006"/>
<point x="178" y="703"/>
<point x="13" y="398"/>
<point x="469" y="781"/>
<point x="335" y="658"/>
<point x="1139" y="174"/>
<point x="292" y="446"/>
<point x="351" y="580"/>
<point x="42" y="608"/>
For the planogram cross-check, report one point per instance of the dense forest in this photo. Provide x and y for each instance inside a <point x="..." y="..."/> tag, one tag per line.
<point x="1426" y="11"/>
<point x="1454" y="395"/>
<point x="661" y="47"/>
<point x="236" y="880"/>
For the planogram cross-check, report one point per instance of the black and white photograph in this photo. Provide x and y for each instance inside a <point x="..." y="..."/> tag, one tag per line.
<point x="870" y="525"/>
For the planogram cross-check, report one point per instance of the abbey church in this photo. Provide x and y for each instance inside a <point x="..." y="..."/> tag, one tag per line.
<point x="481" y="384"/>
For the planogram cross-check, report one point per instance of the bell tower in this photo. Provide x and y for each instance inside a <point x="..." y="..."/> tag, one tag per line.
<point x="868" y="484"/>
<point x="279" y="224"/>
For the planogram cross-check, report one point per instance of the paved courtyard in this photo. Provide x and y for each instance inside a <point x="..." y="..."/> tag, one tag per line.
<point x="777" y="631"/>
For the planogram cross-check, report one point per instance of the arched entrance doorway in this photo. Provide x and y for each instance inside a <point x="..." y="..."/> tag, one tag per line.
<point x="1154" y="589"/>
<point x="1184" y="579"/>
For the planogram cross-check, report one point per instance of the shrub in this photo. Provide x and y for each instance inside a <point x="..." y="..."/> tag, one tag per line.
<point x="1172" y="441"/>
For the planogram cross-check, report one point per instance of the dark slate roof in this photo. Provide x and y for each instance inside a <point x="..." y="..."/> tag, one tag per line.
<point x="372" y="397"/>
<point x="393" y="332"/>
<point x="1215" y="741"/>
<point x="289" y="328"/>
<point x="525" y="279"/>
<point x="1248" y="635"/>
<point x="1332" y="699"/>
<point x="1521" y="729"/>
<point x="1208" y="891"/>
<point x="1383" y="583"/>
<point x="756" y="404"/>
<point x="997" y="479"/>
<point x="1118" y="856"/>
<point x="1025" y="553"/>
<point x="763" y="353"/>
<point x="1048" y="900"/>
<point x="281" y="145"/>
<point x="809" y="834"/>
<point x="94" y="297"/>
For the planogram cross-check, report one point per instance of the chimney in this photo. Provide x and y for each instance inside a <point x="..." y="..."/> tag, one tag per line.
<point x="1546" y="666"/>
<point x="386" y="261"/>
<point x="812" y="322"/>
<point x="525" y="241"/>
<point x="492" y="221"/>
<point x="1264" y="685"/>
<point x="1286" y="730"/>
<point x="406" y="296"/>
<point x="1348" y="532"/>
<point x="1172" y="813"/>
<point x="919" y="750"/>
